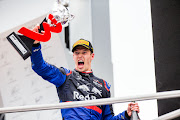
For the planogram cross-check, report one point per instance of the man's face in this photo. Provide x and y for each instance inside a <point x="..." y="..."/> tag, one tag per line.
<point x="82" y="58"/>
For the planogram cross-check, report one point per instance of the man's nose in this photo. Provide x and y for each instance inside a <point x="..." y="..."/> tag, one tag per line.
<point x="80" y="55"/>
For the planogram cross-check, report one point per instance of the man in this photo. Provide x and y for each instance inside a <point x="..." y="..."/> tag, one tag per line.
<point x="79" y="84"/>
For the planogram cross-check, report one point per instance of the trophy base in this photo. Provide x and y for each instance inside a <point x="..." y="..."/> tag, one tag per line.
<point x="22" y="44"/>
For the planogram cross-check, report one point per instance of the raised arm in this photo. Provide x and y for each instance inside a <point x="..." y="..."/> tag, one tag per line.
<point x="45" y="70"/>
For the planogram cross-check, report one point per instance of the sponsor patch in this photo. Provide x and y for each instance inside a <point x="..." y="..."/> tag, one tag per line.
<point x="97" y="83"/>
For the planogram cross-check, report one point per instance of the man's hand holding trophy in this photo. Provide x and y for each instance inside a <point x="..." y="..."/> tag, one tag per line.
<point x="58" y="18"/>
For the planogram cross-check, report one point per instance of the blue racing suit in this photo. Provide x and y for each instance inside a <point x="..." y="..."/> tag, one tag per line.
<point x="76" y="86"/>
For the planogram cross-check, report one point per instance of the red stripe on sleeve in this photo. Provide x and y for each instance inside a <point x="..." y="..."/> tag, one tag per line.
<point x="95" y="108"/>
<point x="69" y="73"/>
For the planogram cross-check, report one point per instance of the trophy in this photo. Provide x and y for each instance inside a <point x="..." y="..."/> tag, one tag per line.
<point x="58" y="18"/>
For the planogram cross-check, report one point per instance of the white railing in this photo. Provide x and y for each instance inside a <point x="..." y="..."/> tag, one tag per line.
<point x="105" y="101"/>
<point x="169" y="116"/>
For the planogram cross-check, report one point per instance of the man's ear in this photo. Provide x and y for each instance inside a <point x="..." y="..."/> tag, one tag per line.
<point x="92" y="56"/>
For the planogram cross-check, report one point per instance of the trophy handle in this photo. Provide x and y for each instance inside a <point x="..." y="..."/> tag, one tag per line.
<point x="41" y="25"/>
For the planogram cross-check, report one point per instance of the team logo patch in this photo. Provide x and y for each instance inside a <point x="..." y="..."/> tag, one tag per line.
<point x="97" y="83"/>
<point x="35" y="50"/>
<point x="91" y="94"/>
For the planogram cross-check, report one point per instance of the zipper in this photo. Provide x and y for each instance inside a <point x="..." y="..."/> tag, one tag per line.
<point x="90" y="90"/>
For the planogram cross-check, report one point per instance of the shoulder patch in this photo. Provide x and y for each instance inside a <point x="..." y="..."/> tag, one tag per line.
<point x="106" y="85"/>
<point x="69" y="73"/>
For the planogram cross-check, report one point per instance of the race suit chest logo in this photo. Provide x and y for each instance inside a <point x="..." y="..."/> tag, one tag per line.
<point x="91" y="95"/>
<point x="82" y="97"/>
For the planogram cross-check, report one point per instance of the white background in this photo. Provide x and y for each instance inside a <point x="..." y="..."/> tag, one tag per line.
<point x="132" y="53"/>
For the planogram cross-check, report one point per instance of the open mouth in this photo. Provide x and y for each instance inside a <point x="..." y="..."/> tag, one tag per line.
<point x="80" y="62"/>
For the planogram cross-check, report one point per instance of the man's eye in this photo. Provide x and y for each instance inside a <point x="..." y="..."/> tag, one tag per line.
<point x="76" y="53"/>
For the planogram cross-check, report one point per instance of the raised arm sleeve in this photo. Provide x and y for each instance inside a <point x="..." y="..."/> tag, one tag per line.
<point x="47" y="71"/>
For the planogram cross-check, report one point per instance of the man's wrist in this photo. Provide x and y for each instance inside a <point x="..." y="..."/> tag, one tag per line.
<point x="126" y="115"/>
<point x="36" y="44"/>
